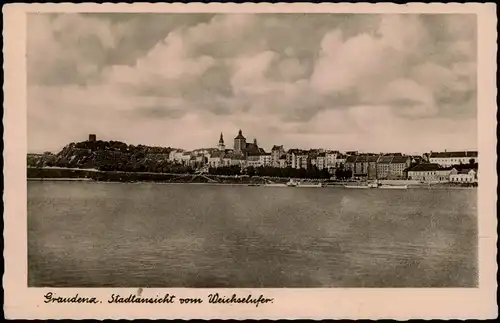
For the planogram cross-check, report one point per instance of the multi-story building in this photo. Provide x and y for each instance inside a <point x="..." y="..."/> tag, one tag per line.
<point x="330" y="157"/>
<point x="291" y="157"/>
<point x="253" y="159"/>
<point x="350" y="163"/>
<point x="321" y="161"/>
<point x="226" y="159"/>
<point x="334" y="164"/>
<point x="276" y="153"/>
<point x="451" y="158"/>
<point x="186" y="157"/>
<point x="463" y="176"/>
<point x="384" y="167"/>
<point x="312" y="159"/>
<point x="238" y="160"/>
<point x="303" y="160"/>
<point x="427" y="172"/>
<point x="175" y="156"/>
<point x="371" y="171"/>
<point x="282" y="162"/>
<point x="300" y="159"/>
<point x="361" y="166"/>
<point x="215" y="159"/>
<point x="265" y="159"/>
<point x="443" y="174"/>
<point x="398" y="165"/>
<point x="201" y="159"/>
<point x="340" y="161"/>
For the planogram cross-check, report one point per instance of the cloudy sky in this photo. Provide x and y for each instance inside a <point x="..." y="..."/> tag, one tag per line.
<point x="349" y="82"/>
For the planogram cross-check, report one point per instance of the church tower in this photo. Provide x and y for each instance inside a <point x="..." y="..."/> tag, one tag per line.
<point x="240" y="143"/>
<point x="221" y="145"/>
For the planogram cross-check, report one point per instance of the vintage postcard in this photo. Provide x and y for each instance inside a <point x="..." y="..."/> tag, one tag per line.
<point x="250" y="161"/>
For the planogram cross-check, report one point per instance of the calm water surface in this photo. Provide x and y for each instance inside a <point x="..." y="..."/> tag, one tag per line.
<point x="152" y="235"/>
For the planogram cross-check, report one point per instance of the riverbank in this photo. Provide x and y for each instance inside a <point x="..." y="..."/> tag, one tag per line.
<point x="132" y="177"/>
<point x="75" y="174"/>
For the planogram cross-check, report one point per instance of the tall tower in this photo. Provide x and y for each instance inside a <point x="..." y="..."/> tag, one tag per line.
<point x="240" y="142"/>
<point x="221" y="145"/>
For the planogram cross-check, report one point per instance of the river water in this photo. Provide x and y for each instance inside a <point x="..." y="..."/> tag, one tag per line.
<point x="89" y="234"/>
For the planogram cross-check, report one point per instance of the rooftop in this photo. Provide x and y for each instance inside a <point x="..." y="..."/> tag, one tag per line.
<point x="453" y="154"/>
<point x="361" y="159"/>
<point x="424" y="168"/>
<point x="385" y="159"/>
<point x="240" y="135"/>
<point x="252" y="148"/>
<point x="350" y="159"/>
<point x="216" y="154"/>
<point x="400" y="159"/>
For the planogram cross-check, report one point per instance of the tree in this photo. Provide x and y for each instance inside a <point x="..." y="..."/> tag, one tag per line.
<point x="343" y="174"/>
<point x="324" y="173"/>
<point x="250" y="171"/>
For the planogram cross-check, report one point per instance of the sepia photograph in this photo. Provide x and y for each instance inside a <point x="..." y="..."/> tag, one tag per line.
<point x="252" y="150"/>
<point x="218" y="150"/>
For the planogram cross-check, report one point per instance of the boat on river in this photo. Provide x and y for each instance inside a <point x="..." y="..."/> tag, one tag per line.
<point x="274" y="185"/>
<point x="356" y="186"/>
<point x="394" y="187"/>
<point x="309" y="184"/>
<point x="292" y="183"/>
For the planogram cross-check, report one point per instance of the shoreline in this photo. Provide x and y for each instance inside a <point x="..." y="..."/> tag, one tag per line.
<point x="85" y="175"/>
<point x="424" y="187"/>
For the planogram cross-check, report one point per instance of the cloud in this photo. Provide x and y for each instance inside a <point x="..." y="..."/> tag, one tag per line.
<point x="334" y="79"/>
<point x="249" y="72"/>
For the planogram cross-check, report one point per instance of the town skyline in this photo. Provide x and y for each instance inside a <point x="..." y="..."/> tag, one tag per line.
<point x="267" y="147"/>
<point x="302" y="81"/>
